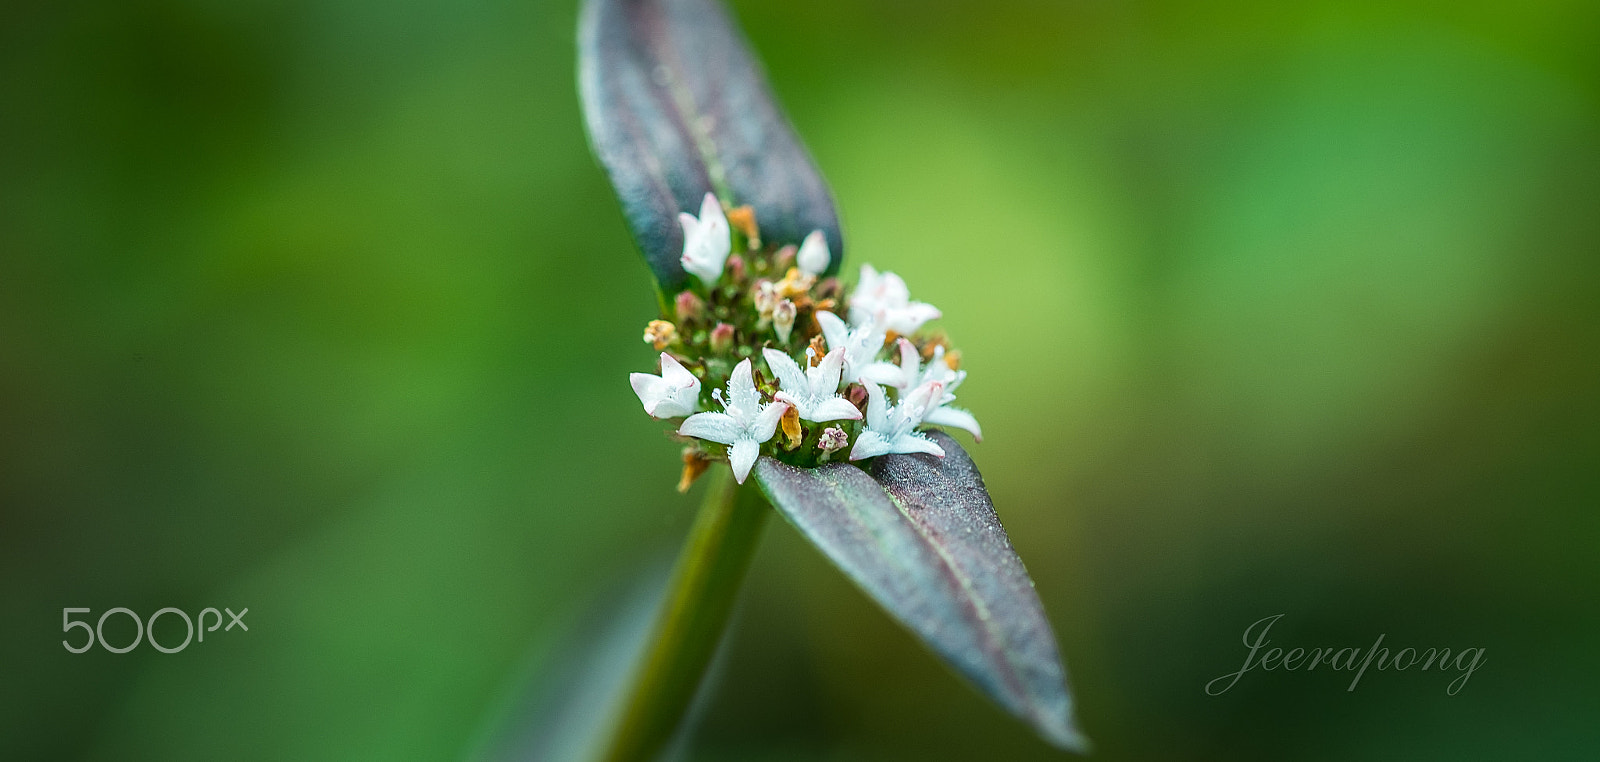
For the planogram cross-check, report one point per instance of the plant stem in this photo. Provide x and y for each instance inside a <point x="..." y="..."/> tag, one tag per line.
<point x="705" y="582"/>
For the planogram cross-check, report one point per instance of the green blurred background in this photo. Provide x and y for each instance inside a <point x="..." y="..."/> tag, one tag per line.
<point x="324" y="310"/>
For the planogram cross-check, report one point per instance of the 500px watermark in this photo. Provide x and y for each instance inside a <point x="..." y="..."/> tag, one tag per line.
<point x="145" y="629"/>
<point x="1466" y="661"/>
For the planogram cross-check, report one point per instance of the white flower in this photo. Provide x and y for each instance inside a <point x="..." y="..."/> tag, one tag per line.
<point x="859" y="345"/>
<point x="890" y="429"/>
<point x="814" y="255"/>
<point x="906" y="376"/>
<point x="884" y="300"/>
<point x="744" y="424"/>
<point x="706" y="241"/>
<point x="674" y="393"/>
<point x="814" y="394"/>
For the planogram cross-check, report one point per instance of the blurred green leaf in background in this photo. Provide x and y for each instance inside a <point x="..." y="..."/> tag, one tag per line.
<point x="323" y="309"/>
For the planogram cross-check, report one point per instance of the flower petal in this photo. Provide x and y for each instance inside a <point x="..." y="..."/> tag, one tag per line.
<point x="648" y="387"/>
<point x="824" y="378"/>
<point x="833" y="409"/>
<point x="743" y="398"/>
<point x="911" y="317"/>
<point x="834" y="330"/>
<point x="869" y="444"/>
<point x="675" y="374"/>
<point x="911" y="442"/>
<point x="790" y="379"/>
<point x="742" y="455"/>
<point x="877" y="407"/>
<point x="884" y="373"/>
<point x="762" y="428"/>
<point x="954" y="416"/>
<point x="712" y="427"/>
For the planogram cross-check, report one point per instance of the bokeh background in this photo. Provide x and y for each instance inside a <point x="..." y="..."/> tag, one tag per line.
<point x="324" y="310"/>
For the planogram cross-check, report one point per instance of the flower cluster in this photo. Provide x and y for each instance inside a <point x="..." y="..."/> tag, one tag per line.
<point x="757" y="360"/>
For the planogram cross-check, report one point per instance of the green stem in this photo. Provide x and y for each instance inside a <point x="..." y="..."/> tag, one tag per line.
<point x="705" y="582"/>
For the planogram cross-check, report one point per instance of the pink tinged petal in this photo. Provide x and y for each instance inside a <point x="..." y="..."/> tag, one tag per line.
<point x="908" y="358"/>
<point x="675" y="374"/>
<point x="923" y="399"/>
<point x="956" y="417"/>
<point x="712" y="427"/>
<point x="790" y="379"/>
<point x="742" y="455"/>
<point x="834" y="409"/>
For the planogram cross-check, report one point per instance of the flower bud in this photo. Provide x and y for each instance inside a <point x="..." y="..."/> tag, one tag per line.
<point x="690" y="307"/>
<point x="857" y="394"/>
<point x="783" y="319"/>
<point x="736" y="268"/>
<point x="833" y="438"/>
<point x="765" y="297"/>
<point x="722" y="338"/>
<point x="814" y="256"/>
<point x="660" y="333"/>
<point x="829" y="289"/>
<point x="784" y="259"/>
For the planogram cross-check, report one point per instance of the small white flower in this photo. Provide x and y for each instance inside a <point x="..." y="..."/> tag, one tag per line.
<point x="706" y="241"/>
<point x="814" y="255"/>
<point x="906" y="376"/>
<point x="744" y="424"/>
<point x="891" y="429"/>
<point x="814" y="394"/>
<point x="674" y="393"/>
<point x="860" y="345"/>
<point x="883" y="300"/>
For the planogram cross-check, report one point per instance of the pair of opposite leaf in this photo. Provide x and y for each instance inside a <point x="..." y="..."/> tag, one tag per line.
<point x="683" y="121"/>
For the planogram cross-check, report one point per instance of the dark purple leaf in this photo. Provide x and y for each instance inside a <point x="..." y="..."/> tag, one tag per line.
<point x="919" y="534"/>
<point x="677" y="106"/>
